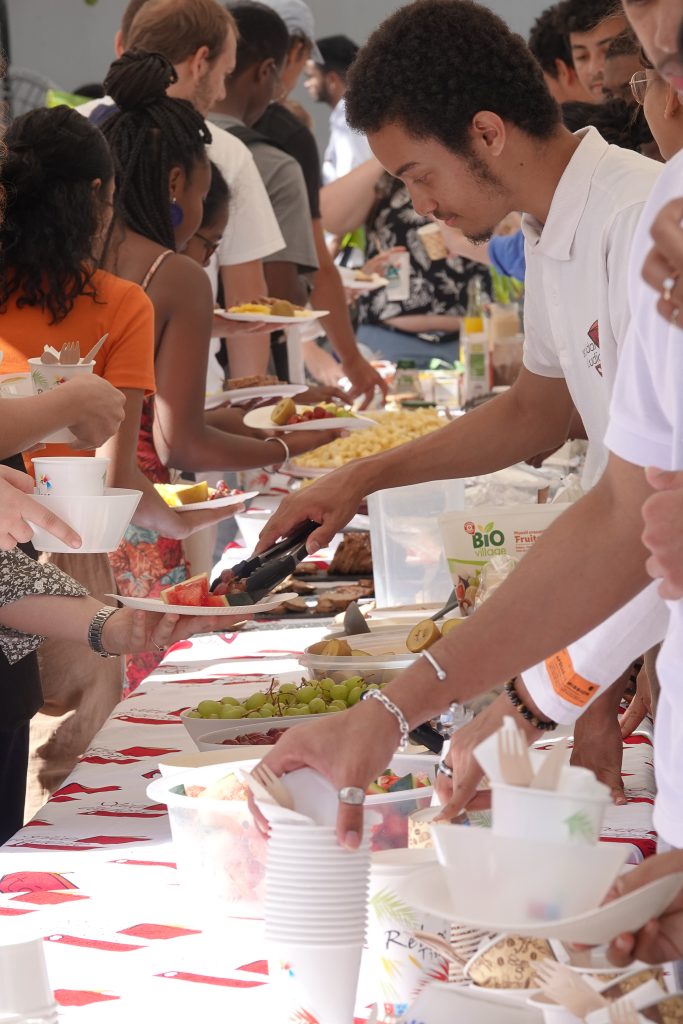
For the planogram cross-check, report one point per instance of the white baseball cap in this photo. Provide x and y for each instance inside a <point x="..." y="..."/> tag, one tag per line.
<point x="298" y="17"/>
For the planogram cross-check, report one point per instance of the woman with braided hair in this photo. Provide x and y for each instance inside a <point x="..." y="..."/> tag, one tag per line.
<point x="162" y="176"/>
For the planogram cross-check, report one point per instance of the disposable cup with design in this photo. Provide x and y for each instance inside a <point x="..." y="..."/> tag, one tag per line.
<point x="547" y="815"/>
<point x="46" y="376"/>
<point x="70" y="477"/>
<point x="508" y="961"/>
<point x="312" y="983"/>
<point x="433" y="241"/>
<point x="397" y="963"/>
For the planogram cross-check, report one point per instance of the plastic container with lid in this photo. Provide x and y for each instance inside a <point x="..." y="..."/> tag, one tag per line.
<point x="409" y="562"/>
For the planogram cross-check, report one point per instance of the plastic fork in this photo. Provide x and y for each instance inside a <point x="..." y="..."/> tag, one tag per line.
<point x="623" y="1012"/>
<point x="275" y="787"/>
<point x="70" y="353"/>
<point x="88" y="358"/>
<point x="513" y="757"/>
<point x="568" y="988"/>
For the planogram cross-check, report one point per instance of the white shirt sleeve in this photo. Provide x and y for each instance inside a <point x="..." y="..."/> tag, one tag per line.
<point x="564" y="685"/>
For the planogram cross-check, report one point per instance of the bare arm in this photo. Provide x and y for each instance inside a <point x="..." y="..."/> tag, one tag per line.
<point x="285" y="282"/>
<point x="243" y="282"/>
<point x="346" y="202"/>
<point x="328" y="293"/>
<point x="531" y="417"/>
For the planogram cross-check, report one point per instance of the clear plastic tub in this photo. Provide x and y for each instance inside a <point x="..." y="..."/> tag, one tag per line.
<point x="396" y="808"/>
<point x="409" y="562"/>
<point x="221" y="855"/>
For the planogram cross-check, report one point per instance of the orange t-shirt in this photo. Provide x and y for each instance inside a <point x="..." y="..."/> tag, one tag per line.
<point x="126" y="359"/>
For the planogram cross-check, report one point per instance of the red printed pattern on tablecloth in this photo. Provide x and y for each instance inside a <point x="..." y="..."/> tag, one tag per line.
<point x="73" y="789"/>
<point x="62" y="843"/>
<point x="126" y="811"/>
<point x="101" y="944"/>
<point x="99" y="755"/>
<point x="34" y="881"/>
<point x="207" y="979"/>
<point x="50" y="899"/>
<point x="157" y="931"/>
<point x="81" y="997"/>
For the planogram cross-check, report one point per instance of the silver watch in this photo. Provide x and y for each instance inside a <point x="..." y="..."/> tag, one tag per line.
<point x="95" y="631"/>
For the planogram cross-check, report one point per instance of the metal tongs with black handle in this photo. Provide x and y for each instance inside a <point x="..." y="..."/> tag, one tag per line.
<point x="264" y="571"/>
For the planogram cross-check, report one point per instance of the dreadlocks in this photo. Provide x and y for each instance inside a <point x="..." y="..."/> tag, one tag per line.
<point x="149" y="136"/>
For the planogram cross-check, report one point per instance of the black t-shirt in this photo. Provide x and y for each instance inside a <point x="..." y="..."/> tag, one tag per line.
<point x="288" y="133"/>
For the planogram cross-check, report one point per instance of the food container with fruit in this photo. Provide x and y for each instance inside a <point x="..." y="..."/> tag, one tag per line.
<point x="247" y="733"/>
<point x="376" y="657"/>
<point x="221" y="855"/>
<point x="407" y="786"/>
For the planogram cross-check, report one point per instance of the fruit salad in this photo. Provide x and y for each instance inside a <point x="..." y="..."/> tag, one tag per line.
<point x="193" y="593"/>
<point x="287" y="414"/>
<point x="310" y="697"/>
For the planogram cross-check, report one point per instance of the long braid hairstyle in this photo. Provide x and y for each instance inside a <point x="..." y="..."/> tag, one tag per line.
<point x="149" y="136"/>
<point x="53" y="215"/>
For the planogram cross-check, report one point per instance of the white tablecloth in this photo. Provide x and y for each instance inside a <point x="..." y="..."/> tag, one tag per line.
<point x="94" y="872"/>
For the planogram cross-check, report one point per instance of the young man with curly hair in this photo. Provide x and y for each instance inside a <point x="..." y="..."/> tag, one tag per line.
<point x="474" y="140"/>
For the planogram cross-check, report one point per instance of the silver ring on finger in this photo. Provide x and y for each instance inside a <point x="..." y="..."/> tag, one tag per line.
<point x="668" y="285"/>
<point x="445" y="769"/>
<point x="352" y="795"/>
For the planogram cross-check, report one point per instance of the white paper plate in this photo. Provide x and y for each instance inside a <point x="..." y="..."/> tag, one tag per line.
<point x="430" y="892"/>
<point x="301" y="473"/>
<point x="266" y="318"/>
<point x="237" y="395"/>
<point x="349" y="281"/>
<point x="226" y="502"/>
<point x="259" y="419"/>
<point x="154" y="604"/>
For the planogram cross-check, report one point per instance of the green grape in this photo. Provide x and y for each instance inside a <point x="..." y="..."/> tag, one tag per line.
<point x="193" y="714"/>
<point x="326" y="684"/>
<point x="209" y="708"/>
<point x="231" y="712"/>
<point x="354" y="696"/>
<point x="253" y="714"/>
<point x="332" y="709"/>
<point x="291" y="711"/>
<point x="340" y="704"/>
<point x="267" y="710"/>
<point x="339" y="691"/>
<point x="255" y="701"/>
<point x="288" y="699"/>
<point x="316" y="706"/>
<point x="306" y="694"/>
<point x="373" y="686"/>
<point x="288" y="688"/>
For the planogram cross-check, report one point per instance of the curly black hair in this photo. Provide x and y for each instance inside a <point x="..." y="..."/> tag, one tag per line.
<point x="149" y="136"/>
<point x="548" y="41"/>
<point x="262" y="34"/>
<point x="434" y="64"/>
<point x="620" y="123"/>
<point x="52" y="213"/>
<point x="585" y="15"/>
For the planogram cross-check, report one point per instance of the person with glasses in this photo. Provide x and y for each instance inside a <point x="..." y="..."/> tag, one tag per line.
<point x="262" y="47"/>
<point x="662" y="107"/>
<point x="621" y="61"/>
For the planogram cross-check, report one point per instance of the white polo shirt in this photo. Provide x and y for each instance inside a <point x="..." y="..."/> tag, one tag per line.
<point x="646" y="428"/>
<point x="252" y="232"/>
<point x="576" y="309"/>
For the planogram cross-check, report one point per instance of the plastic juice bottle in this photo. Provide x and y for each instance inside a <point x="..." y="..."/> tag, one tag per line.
<point x="407" y="380"/>
<point x="473" y="321"/>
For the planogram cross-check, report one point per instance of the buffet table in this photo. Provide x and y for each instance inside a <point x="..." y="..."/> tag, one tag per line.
<point x="94" y="872"/>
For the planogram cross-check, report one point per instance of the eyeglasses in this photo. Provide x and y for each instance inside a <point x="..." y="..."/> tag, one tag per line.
<point x="209" y="245"/>
<point x="639" y="84"/>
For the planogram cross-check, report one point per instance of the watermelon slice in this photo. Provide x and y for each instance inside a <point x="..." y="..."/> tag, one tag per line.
<point x="216" y="601"/>
<point x="193" y="593"/>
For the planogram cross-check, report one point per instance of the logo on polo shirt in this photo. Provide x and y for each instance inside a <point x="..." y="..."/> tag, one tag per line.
<point x="591" y="352"/>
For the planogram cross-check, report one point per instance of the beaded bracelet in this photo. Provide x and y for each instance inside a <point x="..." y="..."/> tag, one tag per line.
<point x="394" y="710"/>
<point x="517" y="703"/>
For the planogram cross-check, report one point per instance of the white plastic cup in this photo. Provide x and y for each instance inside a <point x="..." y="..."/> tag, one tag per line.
<point x="397" y="273"/>
<point x="397" y="965"/>
<point x="72" y="477"/>
<point x="46" y="376"/>
<point x="24" y="985"/>
<point x="317" y="983"/>
<point x="547" y="815"/>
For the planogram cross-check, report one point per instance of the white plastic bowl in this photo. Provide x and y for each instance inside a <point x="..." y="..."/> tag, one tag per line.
<point x="171" y="764"/>
<point x="497" y="878"/>
<point x="220" y="854"/>
<point x="200" y="729"/>
<point x="388" y="655"/>
<point x="100" y="520"/>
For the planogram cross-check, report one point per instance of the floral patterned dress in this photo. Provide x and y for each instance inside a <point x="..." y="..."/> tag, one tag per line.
<point x="145" y="561"/>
